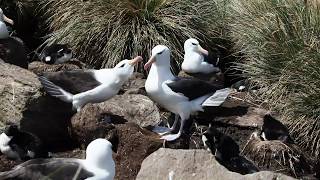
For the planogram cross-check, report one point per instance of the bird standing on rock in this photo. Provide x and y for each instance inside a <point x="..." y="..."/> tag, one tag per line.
<point x="195" y="58"/>
<point x="80" y="87"/>
<point x="182" y="97"/>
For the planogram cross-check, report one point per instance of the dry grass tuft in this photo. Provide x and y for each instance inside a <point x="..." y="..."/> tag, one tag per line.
<point x="281" y="43"/>
<point x="102" y="32"/>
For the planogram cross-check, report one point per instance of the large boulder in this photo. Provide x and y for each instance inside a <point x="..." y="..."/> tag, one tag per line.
<point x="135" y="144"/>
<point x="134" y="108"/>
<point x="18" y="87"/>
<point x="24" y="102"/>
<point x="192" y="164"/>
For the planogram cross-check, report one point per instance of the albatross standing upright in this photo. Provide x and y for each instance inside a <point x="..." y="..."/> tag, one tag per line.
<point x="182" y="97"/>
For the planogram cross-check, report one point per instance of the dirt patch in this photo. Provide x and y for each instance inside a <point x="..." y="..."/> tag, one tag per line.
<point x="135" y="144"/>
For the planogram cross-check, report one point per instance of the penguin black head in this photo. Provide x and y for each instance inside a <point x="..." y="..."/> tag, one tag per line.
<point x="56" y="54"/>
<point x="11" y="130"/>
<point x="273" y="129"/>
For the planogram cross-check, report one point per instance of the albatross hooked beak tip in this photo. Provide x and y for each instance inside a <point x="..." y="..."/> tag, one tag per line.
<point x="8" y="20"/>
<point x="203" y="51"/>
<point x="135" y="60"/>
<point x="149" y="63"/>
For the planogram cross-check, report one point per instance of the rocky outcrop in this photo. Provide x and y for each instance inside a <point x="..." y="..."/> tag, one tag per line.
<point x="18" y="87"/>
<point x="23" y="102"/>
<point x="192" y="164"/>
<point x="39" y="68"/>
<point x="134" y="108"/>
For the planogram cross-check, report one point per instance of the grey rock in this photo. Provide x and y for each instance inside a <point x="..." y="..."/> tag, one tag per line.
<point x="18" y="87"/>
<point x="193" y="164"/>
<point x="134" y="108"/>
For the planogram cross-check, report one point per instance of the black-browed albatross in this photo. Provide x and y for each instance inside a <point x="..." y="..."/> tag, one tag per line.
<point x="195" y="58"/>
<point x="182" y="97"/>
<point x="80" y="87"/>
<point x="98" y="165"/>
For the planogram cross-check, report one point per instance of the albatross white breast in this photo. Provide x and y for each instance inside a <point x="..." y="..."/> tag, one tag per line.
<point x="180" y="96"/>
<point x="80" y="87"/>
<point x="195" y="58"/>
<point x="4" y="33"/>
<point x="98" y="165"/>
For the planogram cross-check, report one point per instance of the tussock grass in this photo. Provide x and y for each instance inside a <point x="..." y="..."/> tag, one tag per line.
<point x="103" y="32"/>
<point x="281" y="43"/>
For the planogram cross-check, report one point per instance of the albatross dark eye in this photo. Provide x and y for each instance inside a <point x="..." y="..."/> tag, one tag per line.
<point x="160" y="52"/>
<point x="122" y="65"/>
<point x="194" y="44"/>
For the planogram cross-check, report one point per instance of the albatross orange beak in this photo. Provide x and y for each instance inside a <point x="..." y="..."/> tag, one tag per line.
<point x="8" y="20"/>
<point x="203" y="51"/>
<point x="149" y="63"/>
<point x="135" y="60"/>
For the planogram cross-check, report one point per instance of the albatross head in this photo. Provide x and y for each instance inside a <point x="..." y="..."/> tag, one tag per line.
<point x="99" y="155"/>
<point x="160" y="56"/>
<point x="192" y="45"/>
<point x="125" y="68"/>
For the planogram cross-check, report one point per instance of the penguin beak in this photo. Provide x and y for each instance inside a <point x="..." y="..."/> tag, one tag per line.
<point x="203" y="51"/>
<point x="135" y="60"/>
<point x="149" y="63"/>
<point x="8" y="20"/>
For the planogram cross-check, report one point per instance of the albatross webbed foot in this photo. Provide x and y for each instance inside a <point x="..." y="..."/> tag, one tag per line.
<point x="161" y="130"/>
<point x="171" y="137"/>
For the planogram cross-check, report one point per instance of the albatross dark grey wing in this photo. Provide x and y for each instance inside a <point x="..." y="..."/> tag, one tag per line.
<point x="55" y="90"/>
<point x="192" y="88"/>
<point x="74" y="82"/>
<point x="54" y="169"/>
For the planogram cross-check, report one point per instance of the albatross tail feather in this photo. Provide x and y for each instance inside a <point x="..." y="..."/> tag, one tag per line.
<point x="217" y="98"/>
<point x="55" y="90"/>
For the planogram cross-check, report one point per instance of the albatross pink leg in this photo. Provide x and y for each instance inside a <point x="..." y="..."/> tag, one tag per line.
<point x="172" y="137"/>
<point x="164" y="130"/>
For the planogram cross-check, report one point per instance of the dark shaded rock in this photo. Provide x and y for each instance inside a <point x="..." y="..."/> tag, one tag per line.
<point x="7" y="164"/>
<point x="13" y="51"/>
<point x="213" y="78"/>
<point x="135" y="144"/>
<point x="39" y="68"/>
<point x="192" y="164"/>
<point x="90" y="123"/>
